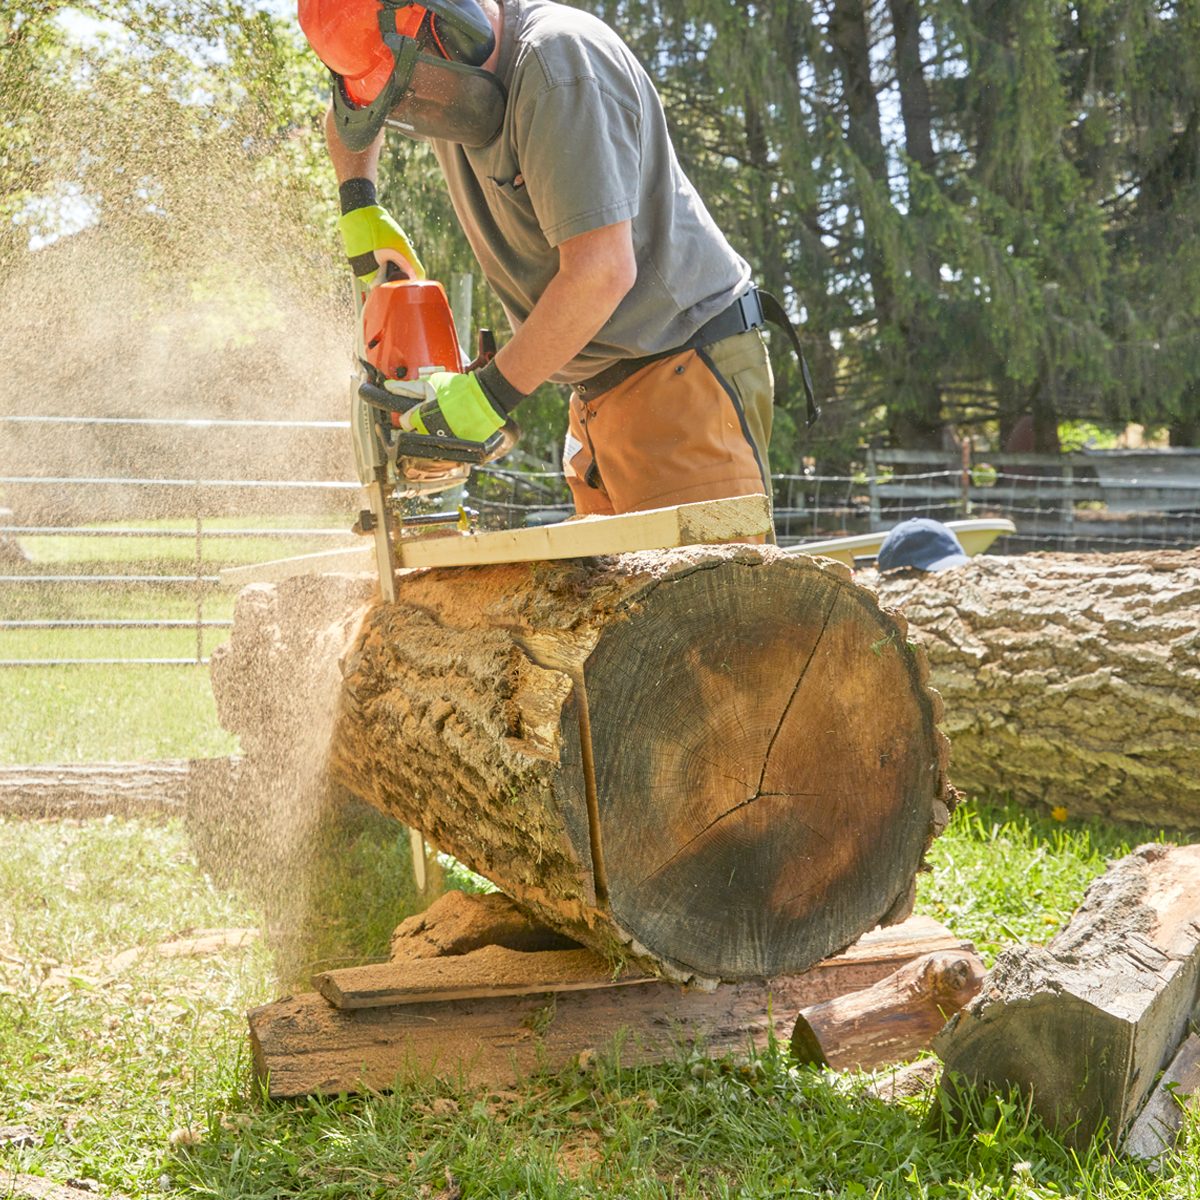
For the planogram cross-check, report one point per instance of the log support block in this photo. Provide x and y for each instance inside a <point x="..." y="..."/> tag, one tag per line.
<point x="498" y="1018"/>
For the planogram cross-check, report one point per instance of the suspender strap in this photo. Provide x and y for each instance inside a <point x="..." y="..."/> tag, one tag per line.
<point x="776" y="314"/>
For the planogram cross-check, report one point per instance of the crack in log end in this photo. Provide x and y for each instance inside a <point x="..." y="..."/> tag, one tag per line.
<point x="795" y="692"/>
<point x="656" y="871"/>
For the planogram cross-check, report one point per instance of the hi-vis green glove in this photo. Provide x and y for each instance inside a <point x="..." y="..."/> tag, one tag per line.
<point x="471" y="407"/>
<point x="370" y="228"/>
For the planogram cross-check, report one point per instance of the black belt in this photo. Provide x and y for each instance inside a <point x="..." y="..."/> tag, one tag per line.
<point x="750" y="310"/>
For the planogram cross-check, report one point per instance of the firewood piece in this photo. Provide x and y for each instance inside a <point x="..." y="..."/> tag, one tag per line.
<point x="302" y="1044"/>
<point x="488" y="971"/>
<point x="890" y="1021"/>
<point x="1156" y="1128"/>
<point x="1085" y="1024"/>
<point x="1069" y="680"/>
<point x="85" y="790"/>
<point x="717" y="762"/>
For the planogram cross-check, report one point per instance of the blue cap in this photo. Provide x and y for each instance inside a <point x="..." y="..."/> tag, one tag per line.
<point x="922" y="543"/>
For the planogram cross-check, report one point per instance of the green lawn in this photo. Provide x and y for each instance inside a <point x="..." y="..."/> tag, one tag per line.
<point x="132" y="1070"/>
<point x="70" y="713"/>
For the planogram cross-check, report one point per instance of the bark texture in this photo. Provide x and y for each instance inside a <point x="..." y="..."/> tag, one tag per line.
<point x="1068" y="680"/>
<point x="717" y="763"/>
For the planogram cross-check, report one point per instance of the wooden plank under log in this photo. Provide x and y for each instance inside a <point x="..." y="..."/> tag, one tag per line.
<point x="488" y="971"/>
<point x="1085" y="1024"/>
<point x="714" y="763"/>
<point x="468" y="946"/>
<point x="302" y="1044"/>
<point x="736" y="518"/>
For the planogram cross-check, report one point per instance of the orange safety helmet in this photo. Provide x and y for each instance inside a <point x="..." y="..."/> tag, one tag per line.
<point x="414" y="66"/>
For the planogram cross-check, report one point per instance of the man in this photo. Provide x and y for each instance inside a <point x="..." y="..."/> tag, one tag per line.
<point x="613" y="275"/>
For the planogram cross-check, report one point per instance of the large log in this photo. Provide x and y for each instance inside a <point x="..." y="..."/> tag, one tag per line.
<point x="1085" y="1024"/>
<point x="716" y="763"/>
<point x="1069" y="680"/>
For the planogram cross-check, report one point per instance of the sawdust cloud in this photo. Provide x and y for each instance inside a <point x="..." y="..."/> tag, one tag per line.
<point x="205" y="284"/>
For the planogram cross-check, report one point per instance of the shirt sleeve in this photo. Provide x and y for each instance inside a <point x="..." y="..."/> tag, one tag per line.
<point x="581" y="158"/>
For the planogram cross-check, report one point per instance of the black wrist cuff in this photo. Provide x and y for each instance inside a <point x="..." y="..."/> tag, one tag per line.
<point x="497" y="389"/>
<point x="356" y="193"/>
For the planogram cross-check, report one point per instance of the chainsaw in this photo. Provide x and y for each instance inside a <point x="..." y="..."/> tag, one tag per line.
<point x="406" y="332"/>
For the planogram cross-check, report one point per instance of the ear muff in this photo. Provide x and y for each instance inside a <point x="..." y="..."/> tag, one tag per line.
<point x="457" y="29"/>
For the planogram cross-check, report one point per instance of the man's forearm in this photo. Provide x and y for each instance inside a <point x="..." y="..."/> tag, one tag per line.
<point x="595" y="272"/>
<point x="351" y="164"/>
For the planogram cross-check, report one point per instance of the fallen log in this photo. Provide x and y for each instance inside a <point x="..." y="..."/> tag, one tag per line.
<point x="1085" y="1024"/>
<point x="715" y="763"/>
<point x="891" y="1021"/>
<point x="304" y="1044"/>
<point x="1070" y="680"/>
<point x="87" y="790"/>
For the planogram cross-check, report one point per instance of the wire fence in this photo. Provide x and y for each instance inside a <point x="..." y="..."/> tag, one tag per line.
<point x="79" y="558"/>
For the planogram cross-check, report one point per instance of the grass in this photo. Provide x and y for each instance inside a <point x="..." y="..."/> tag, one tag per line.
<point x="132" y="1070"/>
<point x="69" y="713"/>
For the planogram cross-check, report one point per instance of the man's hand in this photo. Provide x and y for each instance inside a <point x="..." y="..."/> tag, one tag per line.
<point x="371" y="238"/>
<point x="460" y="408"/>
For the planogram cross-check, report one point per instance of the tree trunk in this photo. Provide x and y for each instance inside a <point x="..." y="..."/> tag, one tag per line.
<point x="1071" y="681"/>
<point x="1085" y="1024"/>
<point x="715" y="763"/>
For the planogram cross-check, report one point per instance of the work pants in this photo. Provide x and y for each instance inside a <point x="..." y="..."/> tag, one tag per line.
<point x="692" y="426"/>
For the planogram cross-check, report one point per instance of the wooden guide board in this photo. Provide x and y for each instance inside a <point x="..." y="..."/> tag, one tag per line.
<point x="706" y="522"/>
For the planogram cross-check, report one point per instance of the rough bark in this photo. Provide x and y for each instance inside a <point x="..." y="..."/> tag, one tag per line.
<point x="719" y="763"/>
<point x="97" y="789"/>
<point x="1085" y="1024"/>
<point x="1068" y="680"/>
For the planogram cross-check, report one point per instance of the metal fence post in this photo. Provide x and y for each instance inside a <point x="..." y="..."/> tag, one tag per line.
<point x="873" y="490"/>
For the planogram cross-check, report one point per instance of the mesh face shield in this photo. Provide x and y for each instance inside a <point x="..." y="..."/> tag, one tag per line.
<point x="425" y="97"/>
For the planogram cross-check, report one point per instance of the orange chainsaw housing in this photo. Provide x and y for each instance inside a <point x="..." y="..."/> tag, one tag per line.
<point x="408" y="327"/>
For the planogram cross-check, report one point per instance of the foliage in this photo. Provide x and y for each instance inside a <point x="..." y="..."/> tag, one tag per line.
<point x="980" y="211"/>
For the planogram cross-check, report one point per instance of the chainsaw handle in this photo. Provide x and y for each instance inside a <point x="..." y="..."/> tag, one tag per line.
<point x="384" y="400"/>
<point x="437" y="448"/>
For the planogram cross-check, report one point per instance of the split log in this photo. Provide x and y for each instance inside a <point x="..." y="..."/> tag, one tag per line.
<point x="303" y="1044"/>
<point x="1153" y="1135"/>
<point x="891" y="1021"/>
<point x="717" y="763"/>
<point x="1069" y="680"/>
<point x="1085" y="1024"/>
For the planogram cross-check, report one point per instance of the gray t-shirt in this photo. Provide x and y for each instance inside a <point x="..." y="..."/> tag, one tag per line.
<point x="584" y="144"/>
